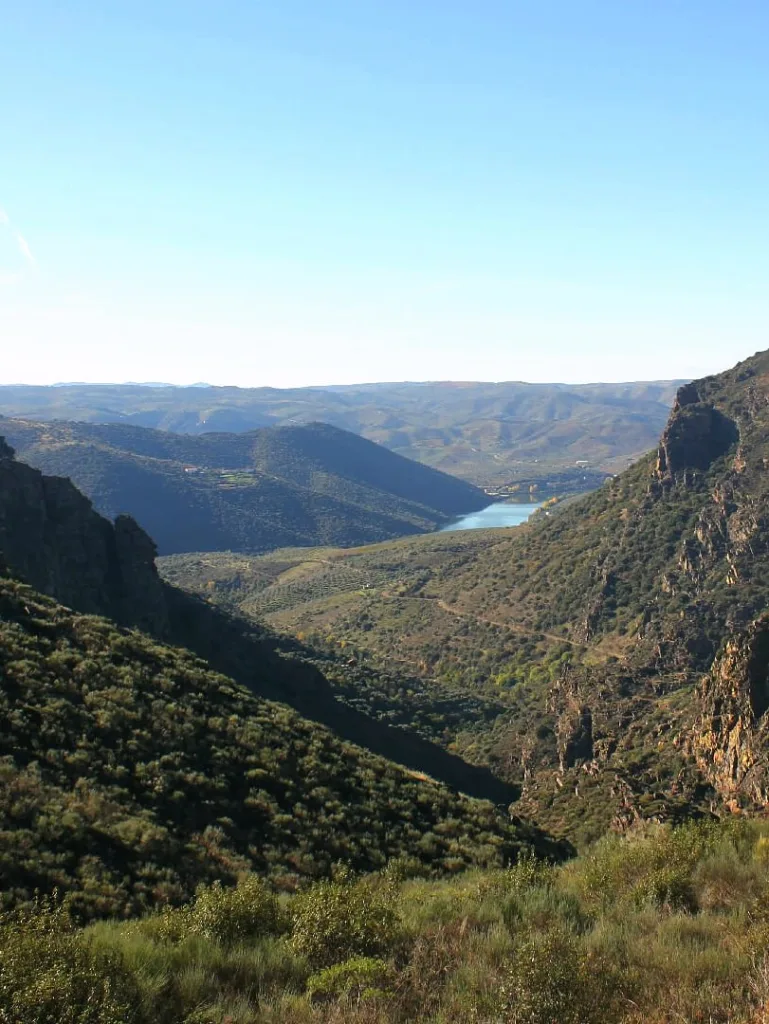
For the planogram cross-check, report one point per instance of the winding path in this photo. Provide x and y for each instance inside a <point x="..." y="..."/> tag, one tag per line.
<point x="453" y="610"/>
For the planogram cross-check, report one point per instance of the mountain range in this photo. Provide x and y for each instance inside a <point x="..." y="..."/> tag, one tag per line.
<point x="605" y="664"/>
<point x="250" y="492"/>
<point x="277" y="768"/>
<point x="493" y="435"/>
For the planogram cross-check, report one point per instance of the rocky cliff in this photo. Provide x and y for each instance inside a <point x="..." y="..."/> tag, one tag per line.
<point x="695" y="436"/>
<point x="731" y="737"/>
<point x="51" y="536"/>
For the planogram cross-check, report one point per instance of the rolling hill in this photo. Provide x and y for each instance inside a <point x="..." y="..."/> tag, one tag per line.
<point x="248" y="492"/>
<point x="494" y="435"/>
<point x="625" y="635"/>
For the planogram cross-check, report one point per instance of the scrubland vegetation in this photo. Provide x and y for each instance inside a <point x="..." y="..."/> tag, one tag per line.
<point x="176" y="849"/>
<point x="662" y="925"/>
<point x="130" y="773"/>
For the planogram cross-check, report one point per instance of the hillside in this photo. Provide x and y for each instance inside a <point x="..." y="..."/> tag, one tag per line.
<point x="494" y="435"/>
<point x="624" y="635"/>
<point x="131" y="773"/>
<point x="660" y="927"/>
<point x="52" y="538"/>
<point x="131" y="770"/>
<point x="246" y="492"/>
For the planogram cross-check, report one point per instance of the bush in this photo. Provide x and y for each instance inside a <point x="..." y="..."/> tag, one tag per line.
<point x="553" y="981"/>
<point x="654" y="865"/>
<point x="359" y="978"/>
<point x="49" y="973"/>
<point x="334" y="921"/>
<point x="229" y="916"/>
<point x="669" y="887"/>
<point x="528" y="873"/>
<point x="543" y="908"/>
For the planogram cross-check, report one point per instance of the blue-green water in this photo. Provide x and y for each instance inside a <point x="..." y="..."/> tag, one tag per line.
<point x="501" y="513"/>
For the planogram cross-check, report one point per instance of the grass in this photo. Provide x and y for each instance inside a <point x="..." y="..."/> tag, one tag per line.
<point x="606" y="939"/>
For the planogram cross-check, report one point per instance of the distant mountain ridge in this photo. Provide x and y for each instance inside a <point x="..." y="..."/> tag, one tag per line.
<point x="252" y="491"/>
<point x="490" y="434"/>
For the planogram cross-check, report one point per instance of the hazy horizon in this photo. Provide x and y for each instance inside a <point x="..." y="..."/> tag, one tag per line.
<point x="336" y="385"/>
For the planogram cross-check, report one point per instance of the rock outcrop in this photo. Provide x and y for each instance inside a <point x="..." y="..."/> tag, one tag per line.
<point x="731" y="736"/>
<point x="696" y="435"/>
<point x="574" y="721"/>
<point x="51" y="536"/>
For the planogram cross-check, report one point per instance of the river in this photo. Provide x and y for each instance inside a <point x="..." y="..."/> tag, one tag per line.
<point x="501" y="513"/>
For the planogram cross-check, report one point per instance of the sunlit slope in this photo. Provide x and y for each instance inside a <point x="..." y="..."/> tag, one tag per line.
<point x="131" y="772"/>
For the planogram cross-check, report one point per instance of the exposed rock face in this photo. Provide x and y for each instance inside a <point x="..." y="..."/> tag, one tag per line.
<point x="575" y="737"/>
<point x="731" y="736"/>
<point x="51" y="536"/>
<point x="696" y="435"/>
<point x="574" y="722"/>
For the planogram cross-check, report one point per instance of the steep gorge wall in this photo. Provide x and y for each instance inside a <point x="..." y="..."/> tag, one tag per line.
<point x="51" y="536"/>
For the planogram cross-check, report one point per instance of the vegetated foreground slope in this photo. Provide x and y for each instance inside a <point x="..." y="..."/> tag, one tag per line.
<point x="130" y="772"/>
<point x="491" y="434"/>
<point x="663" y="926"/>
<point x="248" y="492"/>
<point x="626" y="634"/>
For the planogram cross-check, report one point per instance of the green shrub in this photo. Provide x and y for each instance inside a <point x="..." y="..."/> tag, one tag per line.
<point x="334" y="921"/>
<point x="529" y="872"/>
<point x="552" y="980"/>
<point x="232" y="915"/>
<point x="669" y="887"/>
<point x="538" y="909"/>
<point x="358" y="978"/>
<point x="50" y="975"/>
<point x="654" y="865"/>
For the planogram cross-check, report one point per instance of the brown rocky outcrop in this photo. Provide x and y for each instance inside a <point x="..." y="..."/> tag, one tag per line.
<point x="731" y="736"/>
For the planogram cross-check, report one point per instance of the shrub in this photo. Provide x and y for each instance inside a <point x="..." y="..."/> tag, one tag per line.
<point x="761" y="851"/>
<point x="543" y="908"/>
<point x="528" y="873"/>
<point x="358" y="978"/>
<point x="552" y="980"/>
<point x="669" y="887"/>
<point x="228" y="916"/>
<point x="48" y="973"/>
<point x="334" y="921"/>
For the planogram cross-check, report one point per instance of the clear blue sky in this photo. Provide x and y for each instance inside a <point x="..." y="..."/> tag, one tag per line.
<point x="294" y="192"/>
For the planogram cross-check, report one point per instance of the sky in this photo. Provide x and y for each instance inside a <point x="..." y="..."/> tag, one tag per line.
<point x="289" y="192"/>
